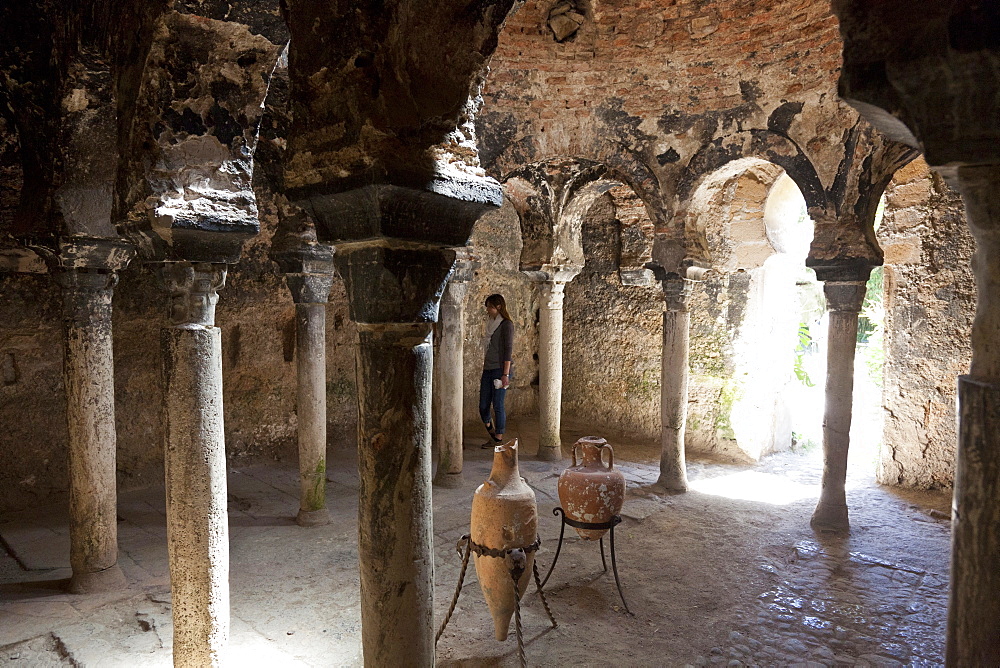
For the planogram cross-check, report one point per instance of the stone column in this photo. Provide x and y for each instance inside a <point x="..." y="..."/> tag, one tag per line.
<point x="974" y="607"/>
<point x="449" y="371"/>
<point x="195" y="464"/>
<point x="90" y="413"/>
<point x="394" y="369"/>
<point x="395" y="537"/>
<point x="551" y="287"/>
<point x="844" y="300"/>
<point x="311" y="291"/>
<point x="674" y="385"/>
<point x="395" y="250"/>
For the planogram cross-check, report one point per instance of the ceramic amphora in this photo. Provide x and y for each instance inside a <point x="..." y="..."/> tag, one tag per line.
<point x="504" y="516"/>
<point x="590" y="491"/>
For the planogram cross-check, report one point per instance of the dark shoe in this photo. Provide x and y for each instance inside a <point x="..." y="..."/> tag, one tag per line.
<point x="493" y="442"/>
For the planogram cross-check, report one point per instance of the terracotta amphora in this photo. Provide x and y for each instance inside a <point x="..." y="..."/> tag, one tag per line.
<point x="589" y="491"/>
<point x="504" y="516"/>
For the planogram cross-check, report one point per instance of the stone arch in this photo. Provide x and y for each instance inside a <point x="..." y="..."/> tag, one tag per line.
<point x="625" y="166"/>
<point x="553" y="198"/>
<point x="754" y="145"/>
<point x="746" y="221"/>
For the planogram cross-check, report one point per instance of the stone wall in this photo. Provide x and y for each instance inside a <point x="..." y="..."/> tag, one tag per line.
<point x="930" y="298"/>
<point x="255" y="313"/>
<point x="496" y="240"/>
<point x="32" y="400"/>
<point x="612" y="336"/>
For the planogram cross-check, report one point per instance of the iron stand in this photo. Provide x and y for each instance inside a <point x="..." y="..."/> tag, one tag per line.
<point x="594" y="526"/>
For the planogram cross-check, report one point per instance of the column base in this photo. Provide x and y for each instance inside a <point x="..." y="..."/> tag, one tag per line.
<point x="98" y="582"/>
<point x="829" y="517"/>
<point x="449" y="480"/>
<point x="671" y="485"/>
<point x="313" y="518"/>
<point x="549" y="454"/>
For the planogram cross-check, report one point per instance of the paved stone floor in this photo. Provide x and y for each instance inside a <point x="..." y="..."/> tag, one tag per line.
<point x="727" y="574"/>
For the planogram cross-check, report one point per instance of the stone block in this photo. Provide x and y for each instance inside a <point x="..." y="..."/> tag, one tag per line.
<point x="903" y="250"/>
<point x="563" y="26"/>
<point x="914" y="193"/>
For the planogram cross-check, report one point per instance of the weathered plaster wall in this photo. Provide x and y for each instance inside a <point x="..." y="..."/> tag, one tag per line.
<point x="612" y="336"/>
<point x="255" y="313"/>
<point x="33" y="431"/>
<point x="496" y="239"/>
<point x="930" y="298"/>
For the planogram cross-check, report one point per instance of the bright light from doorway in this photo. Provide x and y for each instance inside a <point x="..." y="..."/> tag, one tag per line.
<point x="756" y="486"/>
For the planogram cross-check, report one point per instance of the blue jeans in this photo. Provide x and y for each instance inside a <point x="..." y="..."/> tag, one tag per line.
<point x="489" y="395"/>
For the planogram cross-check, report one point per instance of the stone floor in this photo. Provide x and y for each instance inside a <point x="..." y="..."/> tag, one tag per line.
<point x="727" y="574"/>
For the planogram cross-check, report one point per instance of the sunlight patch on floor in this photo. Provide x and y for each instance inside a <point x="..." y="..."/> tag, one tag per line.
<point x="757" y="486"/>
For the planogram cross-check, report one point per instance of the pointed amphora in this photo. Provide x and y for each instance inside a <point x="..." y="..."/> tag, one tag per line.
<point x="590" y="491"/>
<point x="504" y="516"/>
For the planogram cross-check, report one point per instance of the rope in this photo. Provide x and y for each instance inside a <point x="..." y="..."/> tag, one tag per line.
<point x="518" y="561"/>
<point x="541" y="594"/>
<point x="458" y="589"/>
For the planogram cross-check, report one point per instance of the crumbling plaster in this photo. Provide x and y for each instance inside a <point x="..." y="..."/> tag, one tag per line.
<point x="930" y="297"/>
<point x="668" y="109"/>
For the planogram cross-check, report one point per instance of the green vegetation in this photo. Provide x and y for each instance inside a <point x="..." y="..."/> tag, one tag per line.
<point x="805" y="341"/>
<point x="803" y="444"/>
<point x="871" y="326"/>
<point x="730" y="392"/>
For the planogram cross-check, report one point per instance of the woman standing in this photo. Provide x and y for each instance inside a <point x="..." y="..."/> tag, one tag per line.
<point x="496" y="368"/>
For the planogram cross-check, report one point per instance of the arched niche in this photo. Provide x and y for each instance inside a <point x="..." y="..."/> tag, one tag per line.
<point x="748" y="222"/>
<point x="614" y="317"/>
<point x="580" y="217"/>
<point x="552" y="200"/>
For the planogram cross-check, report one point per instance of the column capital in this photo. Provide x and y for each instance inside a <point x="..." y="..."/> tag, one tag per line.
<point x="309" y="258"/>
<point x="462" y="273"/>
<point x="393" y="281"/>
<point x="844" y="295"/>
<point x="311" y="288"/>
<point x="466" y="263"/>
<point x="554" y="273"/>
<point x="553" y="293"/>
<point x="81" y="280"/>
<point x="86" y="294"/>
<point x="89" y="254"/>
<point x="85" y="268"/>
<point x="841" y="271"/>
<point x="308" y="268"/>
<point x="676" y="292"/>
<point x="978" y="187"/>
<point x="193" y="289"/>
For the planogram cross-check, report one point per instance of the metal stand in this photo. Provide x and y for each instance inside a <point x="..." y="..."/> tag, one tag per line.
<point x="594" y="526"/>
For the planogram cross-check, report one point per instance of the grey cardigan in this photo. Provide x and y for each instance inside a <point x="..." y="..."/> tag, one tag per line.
<point x="501" y="348"/>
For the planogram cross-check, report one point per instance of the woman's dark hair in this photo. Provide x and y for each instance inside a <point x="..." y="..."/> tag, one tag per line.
<point x="497" y="302"/>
